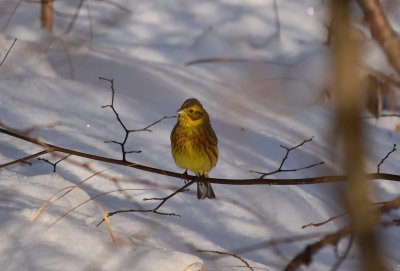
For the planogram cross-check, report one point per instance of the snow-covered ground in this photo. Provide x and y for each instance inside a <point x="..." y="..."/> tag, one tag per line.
<point x="255" y="107"/>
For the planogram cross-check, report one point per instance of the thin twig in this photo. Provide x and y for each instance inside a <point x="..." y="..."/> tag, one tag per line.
<point x="338" y="216"/>
<point x="121" y="144"/>
<point x="288" y="150"/>
<point x="24" y="159"/>
<point x="229" y="254"/>
<point x="154" y="210"/>
<point x="263" y="174"/>
<point x="325" y="221"/>
<point x="386" y="157"/>
<point x="12" y="15"/>
<point x="74" y="17"/>
<point x="8" y="51"/>
<point x="54" y="164"/>
<point x="150" y="125"/>
<point x="127" y="131"/>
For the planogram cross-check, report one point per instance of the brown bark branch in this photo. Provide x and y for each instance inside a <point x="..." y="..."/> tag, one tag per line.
<point x="257" y="181"/>
<point x="382" y="31"/>
<point x="46" y="16"/>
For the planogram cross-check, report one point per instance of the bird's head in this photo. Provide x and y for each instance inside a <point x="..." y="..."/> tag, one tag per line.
<point x="192" y="113"/>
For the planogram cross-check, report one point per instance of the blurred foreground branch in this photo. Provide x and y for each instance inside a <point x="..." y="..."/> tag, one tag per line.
<point x="349" y="102"/>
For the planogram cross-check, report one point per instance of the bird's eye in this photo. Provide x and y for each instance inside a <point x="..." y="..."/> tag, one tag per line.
<point x="191" y="111"/>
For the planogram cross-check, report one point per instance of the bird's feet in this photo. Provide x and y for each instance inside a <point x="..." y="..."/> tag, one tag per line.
<point x="185" y="177"/>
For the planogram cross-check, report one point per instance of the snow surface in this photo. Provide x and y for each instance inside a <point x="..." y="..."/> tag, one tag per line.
<point x="254" y="107"/>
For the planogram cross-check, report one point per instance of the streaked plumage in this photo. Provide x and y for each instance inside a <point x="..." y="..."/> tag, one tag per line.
<point x="194" y="144"/>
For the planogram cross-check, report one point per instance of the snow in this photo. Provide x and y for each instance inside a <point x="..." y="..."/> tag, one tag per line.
<point x="254" y="108"/>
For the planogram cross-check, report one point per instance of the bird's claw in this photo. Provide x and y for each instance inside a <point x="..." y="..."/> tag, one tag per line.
<point x="185" y="177"/>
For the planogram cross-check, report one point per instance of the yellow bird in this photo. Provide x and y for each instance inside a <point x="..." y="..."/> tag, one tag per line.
<point x="194" y="144"/>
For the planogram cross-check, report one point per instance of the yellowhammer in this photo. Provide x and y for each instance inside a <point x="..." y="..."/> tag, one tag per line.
<point x="194" y="144"/>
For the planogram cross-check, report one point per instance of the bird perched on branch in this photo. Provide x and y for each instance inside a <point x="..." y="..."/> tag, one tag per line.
<point x="194" y="144"/>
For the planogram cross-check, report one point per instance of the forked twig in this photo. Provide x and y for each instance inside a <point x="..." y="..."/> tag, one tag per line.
<point x="54" y="164"/>
<point x="280" y="169"/>
<point x="127" y="131"/>
<point x="154" y="210"/>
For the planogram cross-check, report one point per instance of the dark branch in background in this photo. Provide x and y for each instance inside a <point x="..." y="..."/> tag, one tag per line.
<point x="8" y="51"/>
<point x="386" y="157"/>
<point x="127" y="131"/>
<point x="229" y="254"/>
<point x="154" y="210"/>
<point x="288" y="150"/>
<point x="305" y="257"/>
<point x="54" y="164"/>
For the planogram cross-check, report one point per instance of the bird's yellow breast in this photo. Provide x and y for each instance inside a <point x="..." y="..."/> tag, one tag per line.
<point x="192" y="152"/>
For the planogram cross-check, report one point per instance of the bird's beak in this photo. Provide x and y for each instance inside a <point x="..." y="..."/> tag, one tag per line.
<point x="180" y="112"/>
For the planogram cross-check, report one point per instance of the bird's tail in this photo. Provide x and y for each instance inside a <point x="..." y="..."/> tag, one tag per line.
<point x="204" y="189"/>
